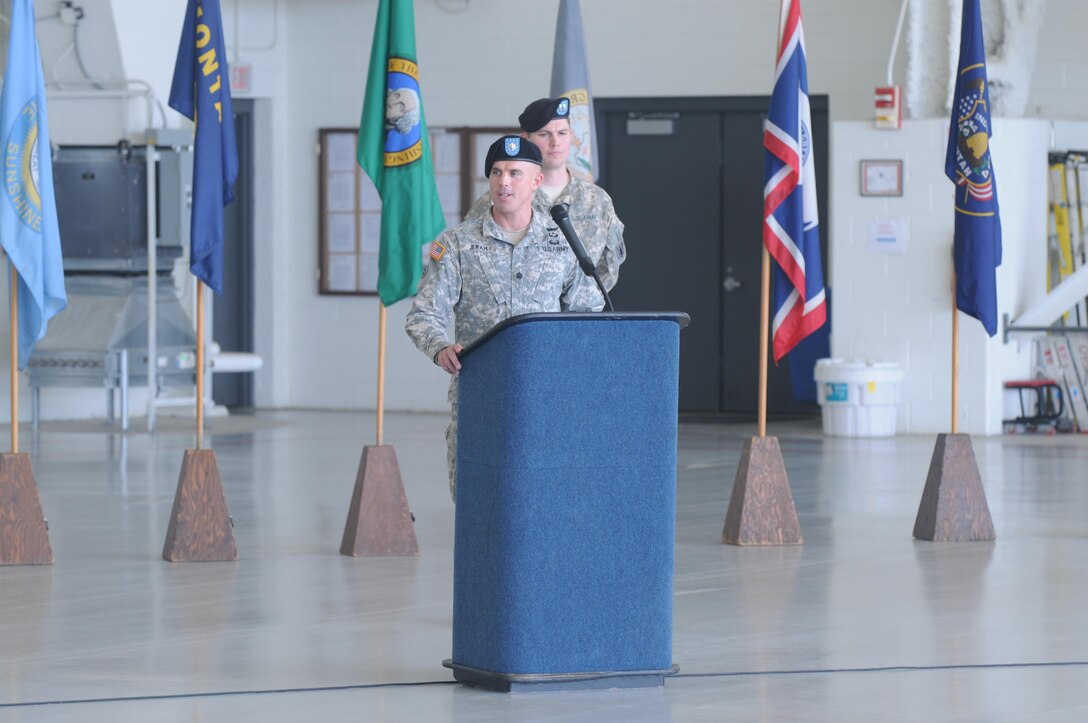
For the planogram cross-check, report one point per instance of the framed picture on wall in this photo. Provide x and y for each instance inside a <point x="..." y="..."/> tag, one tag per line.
<point x="882" y="178"/>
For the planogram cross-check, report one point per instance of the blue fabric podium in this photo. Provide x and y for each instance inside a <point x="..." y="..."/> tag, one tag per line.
<point x="566" y="477"/>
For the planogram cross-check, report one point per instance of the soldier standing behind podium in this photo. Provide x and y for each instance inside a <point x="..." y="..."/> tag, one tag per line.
<point x="510" y="261"/>
<point x="546" y="122"/>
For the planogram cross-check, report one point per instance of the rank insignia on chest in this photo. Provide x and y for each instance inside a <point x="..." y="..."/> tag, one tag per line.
<point x="437" y="251"/>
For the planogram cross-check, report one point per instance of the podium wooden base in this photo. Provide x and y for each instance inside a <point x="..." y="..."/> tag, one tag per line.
<point x="24" y="536"/>
<point x="953" y="507"/>
<point x="201" y="529"/>
<point x="379" y="521"/>
<point x="761" y="510"/>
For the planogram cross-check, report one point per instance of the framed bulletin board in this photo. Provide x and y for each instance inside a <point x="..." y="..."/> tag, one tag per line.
<point x="350" y="210"/>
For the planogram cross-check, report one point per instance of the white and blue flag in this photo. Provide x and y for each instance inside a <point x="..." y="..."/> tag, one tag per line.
<point x="570" y="79"/>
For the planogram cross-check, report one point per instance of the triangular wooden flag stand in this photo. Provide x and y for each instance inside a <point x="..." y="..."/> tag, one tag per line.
<point x="24" y="533"/>
<point x="953" y="506"/>
<point x="201" y="528"/>
<point x="379" y="520"/>
<point x="761" y="510"/>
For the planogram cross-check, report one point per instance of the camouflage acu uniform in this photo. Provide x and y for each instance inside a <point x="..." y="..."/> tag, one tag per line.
<point x="482" y="279"/>
<point x="593" y="217"/>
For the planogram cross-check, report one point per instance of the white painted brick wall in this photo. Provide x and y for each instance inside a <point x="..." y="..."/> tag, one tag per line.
<point x="898" y="307"/>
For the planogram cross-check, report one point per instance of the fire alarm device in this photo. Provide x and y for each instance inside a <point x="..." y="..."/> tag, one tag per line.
<point x="888" y="113"/>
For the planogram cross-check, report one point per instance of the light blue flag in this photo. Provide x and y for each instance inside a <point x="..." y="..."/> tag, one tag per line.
<point x="28" y="212"/>
<point x="570" y="78"/>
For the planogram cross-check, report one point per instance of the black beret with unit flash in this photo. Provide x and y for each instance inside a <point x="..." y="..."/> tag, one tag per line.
<point x="511" y="148"/>
<point x="541" y="112"/>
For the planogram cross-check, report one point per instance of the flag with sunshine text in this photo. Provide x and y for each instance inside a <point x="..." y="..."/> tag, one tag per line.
<point x="28" y="214"/>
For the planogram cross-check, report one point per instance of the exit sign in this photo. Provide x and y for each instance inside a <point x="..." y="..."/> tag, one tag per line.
<point x="241" y="78"/>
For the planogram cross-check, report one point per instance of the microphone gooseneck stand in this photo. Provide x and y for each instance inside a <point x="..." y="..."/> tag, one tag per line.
<point x="561" y="216"/>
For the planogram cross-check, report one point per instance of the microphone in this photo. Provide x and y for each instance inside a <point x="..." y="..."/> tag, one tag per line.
<point x="561" y="216"/>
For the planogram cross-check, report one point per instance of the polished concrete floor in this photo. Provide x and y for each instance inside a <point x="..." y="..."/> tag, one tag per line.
<point x="860" y="623"/>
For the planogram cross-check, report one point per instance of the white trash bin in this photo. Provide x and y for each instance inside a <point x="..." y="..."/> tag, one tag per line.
<point x="858" y="398"/>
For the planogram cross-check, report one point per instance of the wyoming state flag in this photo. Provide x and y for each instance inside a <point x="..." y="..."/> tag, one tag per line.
<point x="977" y="247"/>
<point x="791" y="224"/>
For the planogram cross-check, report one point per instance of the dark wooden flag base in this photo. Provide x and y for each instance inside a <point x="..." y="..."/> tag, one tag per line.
<point x="761" y="510"/>
<point x="379" y="520"/>
<point x="953" y="507"/>
<point x="201" y="529"/>
<point x="24" y="535"/>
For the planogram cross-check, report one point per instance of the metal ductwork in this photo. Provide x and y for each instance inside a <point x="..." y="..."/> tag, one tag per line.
<point x="101" y="339"/>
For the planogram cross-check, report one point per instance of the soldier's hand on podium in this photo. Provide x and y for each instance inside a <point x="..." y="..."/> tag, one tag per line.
<point x="447" y="358"/>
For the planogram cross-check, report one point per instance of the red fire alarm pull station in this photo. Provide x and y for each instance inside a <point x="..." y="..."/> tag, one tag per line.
<point x="888" y="107"/>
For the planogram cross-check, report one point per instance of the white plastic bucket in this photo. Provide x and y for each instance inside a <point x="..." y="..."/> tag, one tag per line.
<point x="858" y="398"/>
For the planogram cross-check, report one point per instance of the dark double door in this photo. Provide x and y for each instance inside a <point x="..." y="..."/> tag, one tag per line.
<point x="686" y="176"/>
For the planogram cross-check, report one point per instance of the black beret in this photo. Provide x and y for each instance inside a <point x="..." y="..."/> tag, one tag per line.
<point x="511" y="148"/>
<point x="541" y="112"/>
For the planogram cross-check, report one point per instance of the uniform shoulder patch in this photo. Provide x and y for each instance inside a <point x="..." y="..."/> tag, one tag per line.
<point x="437" y="251"/>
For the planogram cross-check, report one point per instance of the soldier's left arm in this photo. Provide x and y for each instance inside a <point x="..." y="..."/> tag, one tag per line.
<point x="615" y="251"/>
<point x="580" y="292"/>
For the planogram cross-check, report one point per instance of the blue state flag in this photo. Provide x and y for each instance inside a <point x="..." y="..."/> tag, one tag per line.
<point x="976" y="250"/>
<point x="570" y="78"/>
<point x="28" y="211"/>
<point x="201" y="92"/>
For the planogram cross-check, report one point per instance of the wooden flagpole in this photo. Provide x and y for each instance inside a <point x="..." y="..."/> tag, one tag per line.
<point x="764" y="325"/>
<point x="955" y="358"/>
<point x="24" y="533"/>
<point x="14" y="359"/>
<point x="381" y="372"/>
<point x="199" y="364"/>
<point x="201" y="528"/>
<point x="953" y="506"/>
<point x="761" y="510"/>
<point x="379" y="521"/>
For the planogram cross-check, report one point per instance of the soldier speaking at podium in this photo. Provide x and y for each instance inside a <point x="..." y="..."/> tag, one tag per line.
<point x="546" y="122"/>
<point x="512" y="260"/>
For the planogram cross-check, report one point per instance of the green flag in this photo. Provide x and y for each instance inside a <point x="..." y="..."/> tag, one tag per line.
<point x="395" y="152"/>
